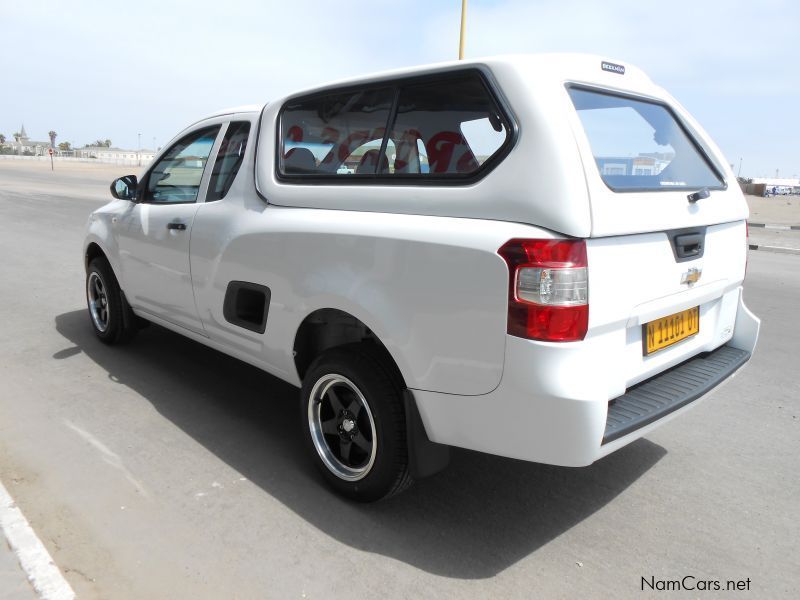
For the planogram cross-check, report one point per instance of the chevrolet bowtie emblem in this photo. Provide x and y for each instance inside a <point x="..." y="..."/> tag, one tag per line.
<point x="691" y="276"/>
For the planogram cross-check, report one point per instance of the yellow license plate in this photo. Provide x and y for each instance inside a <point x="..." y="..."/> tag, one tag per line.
<point x="669" y="330"/>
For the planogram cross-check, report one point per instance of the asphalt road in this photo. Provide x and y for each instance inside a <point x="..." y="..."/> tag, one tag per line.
<point x="167" y="470"/>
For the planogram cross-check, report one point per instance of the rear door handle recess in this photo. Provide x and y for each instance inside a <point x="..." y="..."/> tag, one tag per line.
<point x="178" y="226"/>
<point x="688" y="244"/>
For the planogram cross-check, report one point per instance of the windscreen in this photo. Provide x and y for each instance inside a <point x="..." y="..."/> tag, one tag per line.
<point x="639" y="145"/>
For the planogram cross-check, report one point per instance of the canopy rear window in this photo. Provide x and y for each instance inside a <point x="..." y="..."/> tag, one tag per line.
<point x="640" y="145"/>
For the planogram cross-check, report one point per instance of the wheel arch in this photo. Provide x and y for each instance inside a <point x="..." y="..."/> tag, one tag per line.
<point x="93" y="250"/>
<point x="326" y="328"/>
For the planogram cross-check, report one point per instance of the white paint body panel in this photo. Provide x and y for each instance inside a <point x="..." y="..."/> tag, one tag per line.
<point x="556" y="395"/>
<point x="436" y="300"/>
<point x="418" y="265"/>
<point x="155" y="261"/>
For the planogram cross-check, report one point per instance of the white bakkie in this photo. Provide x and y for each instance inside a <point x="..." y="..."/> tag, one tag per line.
<point x="539" y="257"/>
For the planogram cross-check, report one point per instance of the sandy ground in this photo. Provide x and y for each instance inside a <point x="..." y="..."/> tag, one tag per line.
<point x="67" y="179"/>
<point x="775" y="210"/>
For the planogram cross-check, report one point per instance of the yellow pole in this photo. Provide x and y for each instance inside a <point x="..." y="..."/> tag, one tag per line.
<point x="463" y="29"/>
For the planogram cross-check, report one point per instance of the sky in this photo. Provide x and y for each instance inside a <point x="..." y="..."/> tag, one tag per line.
<point x="93" y="69"/>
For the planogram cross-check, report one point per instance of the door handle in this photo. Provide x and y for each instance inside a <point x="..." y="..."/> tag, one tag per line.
<point x="178" y="226"/>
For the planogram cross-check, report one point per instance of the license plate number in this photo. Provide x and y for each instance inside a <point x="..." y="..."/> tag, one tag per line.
<point x="666" y="331"/>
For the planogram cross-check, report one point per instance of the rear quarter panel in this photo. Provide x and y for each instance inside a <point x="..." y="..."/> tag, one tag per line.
<point x="433" y="290"/>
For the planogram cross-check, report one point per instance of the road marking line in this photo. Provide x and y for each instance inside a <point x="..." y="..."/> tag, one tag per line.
<point x="33" y="557"/>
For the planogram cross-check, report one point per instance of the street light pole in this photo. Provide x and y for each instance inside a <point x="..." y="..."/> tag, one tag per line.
<point x="740" y="167"/>
<point x="463" y="29"/>
<point x="139" y="151"/>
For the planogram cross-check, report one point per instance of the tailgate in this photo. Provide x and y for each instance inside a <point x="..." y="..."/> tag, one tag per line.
<point x="637" y="279"/>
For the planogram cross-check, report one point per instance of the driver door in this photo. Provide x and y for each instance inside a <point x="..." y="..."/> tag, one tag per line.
<point x="154" y="234"/>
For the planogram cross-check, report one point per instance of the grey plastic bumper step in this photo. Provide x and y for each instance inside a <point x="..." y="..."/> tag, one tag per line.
<point x="670" y="390"/>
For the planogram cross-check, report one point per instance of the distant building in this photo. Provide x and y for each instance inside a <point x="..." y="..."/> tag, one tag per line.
<point x="651" y="163"/>
<point x="778" y="185"/>
<point x="22" y="144"/>
<point x="106" y="154"/>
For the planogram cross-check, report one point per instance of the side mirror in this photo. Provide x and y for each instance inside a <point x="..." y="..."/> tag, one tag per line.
<point x="124" y="188"/>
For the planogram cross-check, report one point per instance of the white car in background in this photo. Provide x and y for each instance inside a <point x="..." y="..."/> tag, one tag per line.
<point x="539" y="257"/>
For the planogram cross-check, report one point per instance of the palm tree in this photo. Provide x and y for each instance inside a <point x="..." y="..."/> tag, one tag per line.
<point x="53" y="135"/>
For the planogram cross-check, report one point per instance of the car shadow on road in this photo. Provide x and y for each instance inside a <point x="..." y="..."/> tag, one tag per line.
<point x="473" y="520"/>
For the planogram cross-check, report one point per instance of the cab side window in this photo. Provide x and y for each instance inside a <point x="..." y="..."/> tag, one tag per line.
<point x="229" y="159"/>
<point x="176" y="177"/>
<point x="455" y="123"/>
<point x="443" y="127"/>
<point x="330" y="134"/>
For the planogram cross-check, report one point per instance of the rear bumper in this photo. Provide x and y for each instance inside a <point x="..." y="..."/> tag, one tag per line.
<point x="667" y="392"/>
<point x="555" y="403"/>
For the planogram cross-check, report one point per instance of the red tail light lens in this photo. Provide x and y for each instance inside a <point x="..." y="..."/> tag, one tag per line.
<point x="548" y="289"/>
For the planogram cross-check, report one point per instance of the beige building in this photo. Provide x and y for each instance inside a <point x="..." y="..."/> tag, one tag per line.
<point x="23" y="145"/>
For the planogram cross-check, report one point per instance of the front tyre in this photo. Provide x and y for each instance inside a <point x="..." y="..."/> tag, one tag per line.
<point x="112" y="319"/>
<point x="354" y="423"/>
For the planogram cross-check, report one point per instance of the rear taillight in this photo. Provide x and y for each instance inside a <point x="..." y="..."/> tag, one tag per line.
<point x="548" y="289"/>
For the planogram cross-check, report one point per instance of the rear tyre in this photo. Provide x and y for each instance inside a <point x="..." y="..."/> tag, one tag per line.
<point x="112" y="319"/>
<point x="354" y="423"/>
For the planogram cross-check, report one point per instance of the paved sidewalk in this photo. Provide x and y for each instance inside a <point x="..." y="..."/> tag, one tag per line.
<point x="14" y="584"/>
<point x="775" y="240"/>
<point x="775" y="224"/>
<point x="29" y="561"/>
